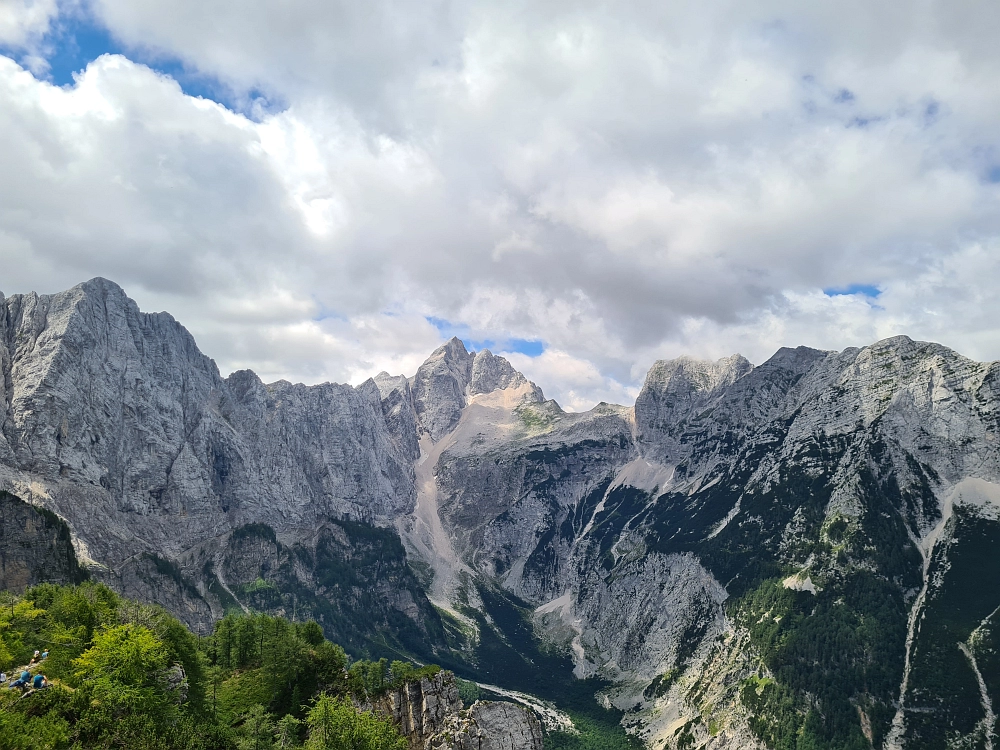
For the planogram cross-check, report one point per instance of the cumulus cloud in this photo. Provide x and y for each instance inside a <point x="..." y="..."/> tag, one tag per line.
<point x="23" y="26"/>
<point x="24" y="23"/>
<point x="620" y="182"/>
<point x="574" y="382"/>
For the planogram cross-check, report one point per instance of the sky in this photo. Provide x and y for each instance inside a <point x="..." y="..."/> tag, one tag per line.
<point x="323" y="189"/>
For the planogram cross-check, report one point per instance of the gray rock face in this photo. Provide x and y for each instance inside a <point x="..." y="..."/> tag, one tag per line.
<point x="430" y="716"/>
<point x="439" y="388"/>
<point x="625" y="626"/>
<point x="149" y="578"/>
<point x="489" y="725"/>
<point x="676" y="387"/>
<point x="139" y="436"/>
<point x="395" y="399"/>
<point x="115" y="421"/>
<point x="420" y="708"/>
<point x="498" y="499"/>
<point x="35" y="546"/>
<point x="491" y="373"/>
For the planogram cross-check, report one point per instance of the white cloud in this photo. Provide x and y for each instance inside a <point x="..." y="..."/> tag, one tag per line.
<point x="574" y="382"/>
<point x="622" y="182"/>
<point x="24" y="22"/>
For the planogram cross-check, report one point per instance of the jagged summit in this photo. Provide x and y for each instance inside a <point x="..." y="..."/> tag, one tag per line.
<point x="675" y="387"/>
<point x="687" y="375"/>
<point x="452" y="375"/>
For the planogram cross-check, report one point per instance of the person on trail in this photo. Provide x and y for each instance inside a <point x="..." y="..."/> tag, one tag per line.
<point x="34" y="659"/>
<point x="45" y="654"/>
<point x="21" y="681"/>
<point x="40" y="682"/>
<point x="3" y="677"/>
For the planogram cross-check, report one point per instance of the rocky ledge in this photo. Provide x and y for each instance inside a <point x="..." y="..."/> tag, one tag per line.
<point x="489" y="725"/>
<point x="430" y="715"/>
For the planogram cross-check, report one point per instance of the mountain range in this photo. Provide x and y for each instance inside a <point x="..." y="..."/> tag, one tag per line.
<point x="800" y="554"/>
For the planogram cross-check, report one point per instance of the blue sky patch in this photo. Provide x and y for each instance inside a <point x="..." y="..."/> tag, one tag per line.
<point x="528" y="347"/>
<point x="327" y="314"/>
<point x="77" y="39"/>
<point x="73" y="43"/>
<point x="867" y="290"/>
<point x="447" y="328"/>
<point x="524" y="346"/>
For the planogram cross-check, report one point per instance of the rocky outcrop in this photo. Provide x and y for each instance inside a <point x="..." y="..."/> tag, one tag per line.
<point x="395" y="398"/>
<point x="429" y="714"/>
<point x="35" y="547"/>
<point x="625" y="626"/>
<point x="674" y="388"/>
<point x="489" y="725"/>
<point x="439" y="388"/>
<point x="420" y="708"/>
<point x="351" y="578"/>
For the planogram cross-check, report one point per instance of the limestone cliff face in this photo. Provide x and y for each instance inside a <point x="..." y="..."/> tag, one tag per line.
<point x="489" y="725"/>
<point x="421" y="707"/>
<point x="35" y="547"/>
<point x="120" y="410"/>
<point x="647" y="538"/>
<point x="150" y="578"/>
<point x="430" y="715"/>
<point x="674" y="388"/>
<point x="116" y="422"/>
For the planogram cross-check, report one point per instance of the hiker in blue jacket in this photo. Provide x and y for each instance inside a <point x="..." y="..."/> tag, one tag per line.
<point x="21" y="681"/>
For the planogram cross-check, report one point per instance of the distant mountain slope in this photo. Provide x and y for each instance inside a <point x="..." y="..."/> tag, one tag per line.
<point x="798" y="554"/>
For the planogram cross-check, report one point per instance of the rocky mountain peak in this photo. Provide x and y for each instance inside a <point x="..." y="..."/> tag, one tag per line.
<point x="439" y="388"/>
<point x="100" y="287"/>
<point x="387" y="383"/>
<point x="392" y="395"/>
<point x="686" y="376"/>
<point x="675" y="387"/>
<point x="492" y="373"/>
<point x="451" y="376"/>
<point x="799" y="359"/>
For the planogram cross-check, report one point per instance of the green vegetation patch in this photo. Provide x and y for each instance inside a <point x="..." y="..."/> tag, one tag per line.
<point x="828" y="654"/>
<point x="124" y="674"/>
<point x="661" y="684"/>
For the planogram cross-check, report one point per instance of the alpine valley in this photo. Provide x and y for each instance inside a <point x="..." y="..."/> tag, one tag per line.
<point x="800" y="554"/>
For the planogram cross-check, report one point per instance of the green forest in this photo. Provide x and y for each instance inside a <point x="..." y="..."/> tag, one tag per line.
<point x="127" y="675"/>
